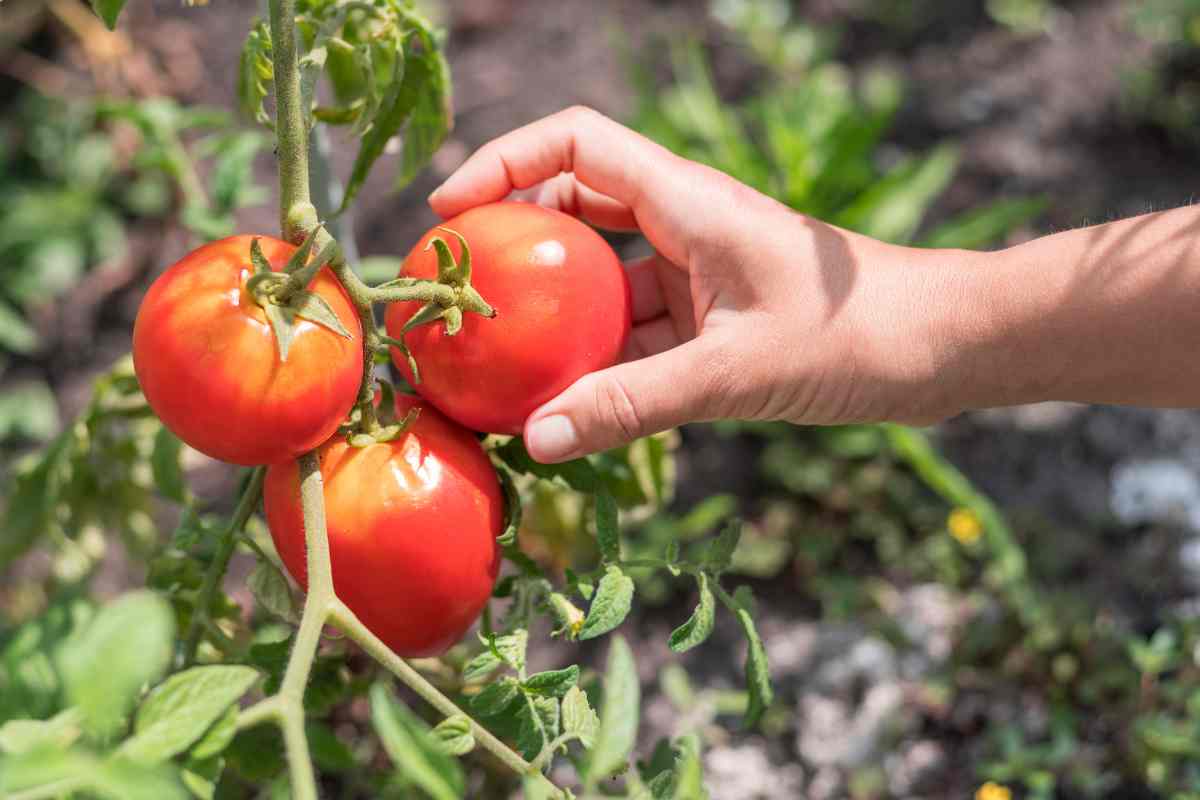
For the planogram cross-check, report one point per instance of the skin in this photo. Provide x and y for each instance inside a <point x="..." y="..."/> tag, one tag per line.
<point x="552" y="280"/>
<point x="208" y="361"/>
<point x="747" y="309"/>
<point x="412" y="530"/>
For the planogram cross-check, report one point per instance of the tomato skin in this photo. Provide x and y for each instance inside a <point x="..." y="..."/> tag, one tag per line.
<point x="208" y="362"/>
<point x="412" y="530"/>
<point x="563" y="310"/>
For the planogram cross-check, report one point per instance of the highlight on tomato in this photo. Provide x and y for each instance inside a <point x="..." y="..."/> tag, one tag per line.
<point x="412" y="526"/>
<point x="563" y="310"/>
<point x="215" y="371"/>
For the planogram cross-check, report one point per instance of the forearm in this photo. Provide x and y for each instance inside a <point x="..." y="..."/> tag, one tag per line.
<point x="1105" y="314"/>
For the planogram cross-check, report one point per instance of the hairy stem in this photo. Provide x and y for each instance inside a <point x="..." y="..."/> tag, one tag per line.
<point x="290" y="128"/>
<point x="216" y="569"/>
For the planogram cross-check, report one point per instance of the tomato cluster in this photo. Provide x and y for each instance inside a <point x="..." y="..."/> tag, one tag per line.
<point x="412" y="520"/>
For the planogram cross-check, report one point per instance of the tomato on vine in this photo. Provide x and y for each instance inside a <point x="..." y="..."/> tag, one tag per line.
<point x="412" y="528"/>
<point x="215" y="371"/>
<point x="563" y="310"/>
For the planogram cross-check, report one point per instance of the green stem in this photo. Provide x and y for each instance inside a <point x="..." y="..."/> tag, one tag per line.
<point x="346" y="621"/>
<point x="291" y="131"/>
<point x="220" y="562"/>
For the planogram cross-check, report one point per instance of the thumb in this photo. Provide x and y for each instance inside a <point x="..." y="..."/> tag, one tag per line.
<point x="614" y="406"/>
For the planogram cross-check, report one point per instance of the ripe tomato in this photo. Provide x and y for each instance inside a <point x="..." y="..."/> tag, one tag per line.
<point x="563" y="310"/>
<point x="208" y="362"/>
<point x="412" y="529"/>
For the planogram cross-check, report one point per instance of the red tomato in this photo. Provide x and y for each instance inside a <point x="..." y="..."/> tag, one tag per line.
<point x="412" y="529"/>
<point x="208" y="362"/>
<point x="563" y="310"/>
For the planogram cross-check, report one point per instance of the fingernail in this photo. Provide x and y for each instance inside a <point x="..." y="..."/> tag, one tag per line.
<point x="552" y="438"/>
<point x="434" y="194"/>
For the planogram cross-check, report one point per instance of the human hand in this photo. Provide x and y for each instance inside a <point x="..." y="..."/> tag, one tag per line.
<point x="745" y="310"/>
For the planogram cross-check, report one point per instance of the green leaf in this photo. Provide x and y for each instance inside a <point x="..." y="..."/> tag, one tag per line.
<point x="554" y="683"/>
<point x="758" y="676"/>
<point x="578" y="718"/>
<point x="218" y="737"/>
<point x="44" y="767"/>
<point x="179" y="711"/>
<point x="610" y="606"/>
<point x="201" y="777"/>
<point x="700" y="624"/>
<point x="165" y="466"/>
<point x="131" y="638"/>
<point x="272" y="592"/>
<point x="255" y="73"/>
<point x="431" y="117"/>
<point x="28" y="410"/>
<point x="257" y="753"/>
<point x="329" y="752"/>
<point x="512" y="510"/>
<point x="15" y="334"/>
<point x="719" y="554"/>
<point x="688" y="769"/>
<point x="108" y="10"/>
<point x="118" y="778"/>
<point x="454" y="735"/>
<point x="537" y="724"/>
<point x="481" y="666"/>
<point x="577" y="474"/>
<point x="617" y="733"/>
<point x="495" y="697"/>
<point x="21" y="736"/>
<point x="416" y="753"/>
<point x="608" y="532"/>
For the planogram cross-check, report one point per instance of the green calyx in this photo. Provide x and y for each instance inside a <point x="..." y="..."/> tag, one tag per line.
<point x="284" y="296"/>
<point x="455" y="276"/>
<point x="385" y="425"/>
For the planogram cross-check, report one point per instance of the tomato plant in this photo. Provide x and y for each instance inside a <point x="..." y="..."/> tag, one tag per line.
<point x="563" y="308"/>
<point x="412" y="528"/>
<point x="209" y="363"/>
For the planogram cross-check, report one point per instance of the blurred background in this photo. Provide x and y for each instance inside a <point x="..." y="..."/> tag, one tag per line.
<point x="1013" y="614"/>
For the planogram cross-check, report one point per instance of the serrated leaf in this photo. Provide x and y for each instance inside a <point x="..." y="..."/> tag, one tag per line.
<point x="511" y="648"/>
<point x="578" y="718"/>
<point x="411" y="747"/>
<point x="272" y="592"/>
<point x="311" y="306"/>
<point x="481" y="666"/>
<point x="20" y="736"/>
<point x="610" y="606"/>
<point x="577" y="474"/>
<point x="255" y="73"/>
<point x="719" y="554"/>
<point x="431" y="118"/>
<point x="218" y="737"/>
<point x="496" y="697"/>
<point x="700" y="625"/>
<point x="619" y="717"/>
<point x="394" y="110"/>
<point x="454" y="735"/>
<point x="608" y="531"/>
<point x="179" y="711"/>
<point x="537" y="724"/>
<point x="165" y="466"/>
<point x="108" y="10"/>
<point x="553" y="683"/>
<point x="758" y="676"/>
<point x="132" y="638"/>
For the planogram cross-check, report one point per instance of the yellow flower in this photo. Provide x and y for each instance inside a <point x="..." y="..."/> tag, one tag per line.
<point x="965" y="526"/>
<point x="993" y="791"/>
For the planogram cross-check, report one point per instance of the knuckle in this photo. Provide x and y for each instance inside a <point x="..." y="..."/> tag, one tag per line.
<point x="616" y="410"/>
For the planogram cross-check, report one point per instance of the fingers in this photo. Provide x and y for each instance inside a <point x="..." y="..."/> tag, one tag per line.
<point x="565" y="193"/>
<point x="669" y="198"/>
<point x="617" y="405"/>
